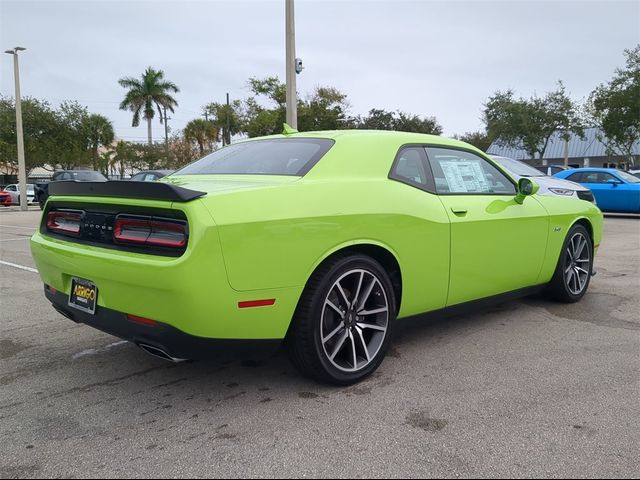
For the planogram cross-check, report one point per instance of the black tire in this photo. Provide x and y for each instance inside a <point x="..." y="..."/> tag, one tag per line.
<point x="569" y="282"/>
<point x="361" y="326"/>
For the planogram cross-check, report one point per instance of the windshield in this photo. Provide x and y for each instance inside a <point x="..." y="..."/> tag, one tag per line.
<point x="285" y="156"/>
<point x="628" y="177"/>
<point x="517" y="167"/>
<point x="87" y="176"/>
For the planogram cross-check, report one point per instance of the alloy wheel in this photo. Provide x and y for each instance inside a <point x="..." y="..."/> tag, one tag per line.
<point x="354" y="320"/>
<point x="577" y="264"/>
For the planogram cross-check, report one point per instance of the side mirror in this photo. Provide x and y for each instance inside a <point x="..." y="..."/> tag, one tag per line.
<point x="526" y="187"/>
<point x="614" y="183"/>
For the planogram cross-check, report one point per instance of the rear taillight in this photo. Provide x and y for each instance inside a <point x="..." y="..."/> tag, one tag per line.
<point x="65" y="222"/>
<point x="150" y="231"/>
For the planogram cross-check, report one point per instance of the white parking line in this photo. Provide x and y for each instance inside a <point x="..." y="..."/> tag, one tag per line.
<point x="33" y="229"/>
<point x="14" y="239"/>
<point x="21" y="267"/>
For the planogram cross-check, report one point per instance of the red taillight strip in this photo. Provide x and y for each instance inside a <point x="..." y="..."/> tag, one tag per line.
<point x="71" y="226"/>
<point x="257" y="303"/>
<point x="150" y="231"/>
<point x="141" y="320"/>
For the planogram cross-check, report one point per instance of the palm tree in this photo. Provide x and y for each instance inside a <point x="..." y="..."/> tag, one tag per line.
<point x="146" y="93"/>
<point x="202" y="132"/>
<point x="98" y="132"/>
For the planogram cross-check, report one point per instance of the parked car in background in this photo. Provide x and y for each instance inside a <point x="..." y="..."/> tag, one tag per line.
<point x="548" y="185"/>
<point x="14" y="191"/>
<point x="5" y="199"/>
<point x="42" y="189"/>
<point x="635" y="173"/>
<point x="150" y="175"/>
<point x="615" y="190"/>
<point x="550" y="169"/>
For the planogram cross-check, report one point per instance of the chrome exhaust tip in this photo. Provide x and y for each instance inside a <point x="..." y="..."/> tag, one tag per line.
<point x="159" y="353"/>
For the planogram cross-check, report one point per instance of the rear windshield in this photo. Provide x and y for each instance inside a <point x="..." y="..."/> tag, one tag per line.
<point x="283" y="156"/>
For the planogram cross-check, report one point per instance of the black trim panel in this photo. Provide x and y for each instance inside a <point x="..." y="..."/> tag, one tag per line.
<point x="474" y="305"/>
<point x="125" y="189"/>
<point x="164" y="337"/>
<point x="103" y="216"/>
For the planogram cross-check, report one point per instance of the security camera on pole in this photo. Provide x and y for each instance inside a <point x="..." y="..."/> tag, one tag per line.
<point x="22" y="171"/>
<point x="294" y="66"/>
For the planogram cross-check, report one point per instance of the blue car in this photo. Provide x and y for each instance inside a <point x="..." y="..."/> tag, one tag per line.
<point x="615" y="190"/>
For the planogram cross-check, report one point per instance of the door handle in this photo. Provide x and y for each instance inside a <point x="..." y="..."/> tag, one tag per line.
<point x="459" y="210"/>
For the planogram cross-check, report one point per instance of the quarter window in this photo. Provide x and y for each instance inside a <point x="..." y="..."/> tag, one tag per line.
<point x="411" y="167"/>
<point x="461" y="172"/>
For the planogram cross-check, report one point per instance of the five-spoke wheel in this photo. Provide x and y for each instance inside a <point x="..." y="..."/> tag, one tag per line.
<point x="575" y="265"/>
<point x="344" y="321"/>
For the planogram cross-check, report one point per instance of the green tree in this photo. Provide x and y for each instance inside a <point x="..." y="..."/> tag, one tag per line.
<point x="614" y="107"/>
<point x="324" y="109"/>
<point x="98" y="132"/>
<point x="69" y="140"/>
<point x="478" y="139"/>
<point x="530" y="123"/>
<point x="125" y="156"/>
<point x="181" y="152"/>
<point x="146" y="94"/>
<point x="203" y="132"/>
<point x="40" y="127"/>
<point x="219" y="114"/>
<point x="379" y="119"/>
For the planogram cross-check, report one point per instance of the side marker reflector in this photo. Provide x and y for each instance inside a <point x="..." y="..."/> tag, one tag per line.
<point x="257" y="303"/>
<point x="141" y="320"/>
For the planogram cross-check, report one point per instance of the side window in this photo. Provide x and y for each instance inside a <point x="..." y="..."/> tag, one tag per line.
<point x="457" y="171"/>
<point x="598" y="177"/>
<point x="576" y="177"/>
<point x="411" y="167"/>
<point x="11" y="188"/>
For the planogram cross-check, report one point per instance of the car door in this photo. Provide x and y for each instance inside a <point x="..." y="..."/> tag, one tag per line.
<point x="604" y="187"/>
<point x="497" y="244"/>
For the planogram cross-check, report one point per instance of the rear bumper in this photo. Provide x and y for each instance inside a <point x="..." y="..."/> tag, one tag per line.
<point x="163" y="337"/>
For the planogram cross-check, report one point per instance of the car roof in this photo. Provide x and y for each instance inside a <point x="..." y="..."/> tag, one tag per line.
<point x="589" y="169"/>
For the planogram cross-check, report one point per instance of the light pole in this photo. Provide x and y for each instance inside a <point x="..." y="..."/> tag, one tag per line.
<point x="292" y="102"/>
<point x="22" y="171"/>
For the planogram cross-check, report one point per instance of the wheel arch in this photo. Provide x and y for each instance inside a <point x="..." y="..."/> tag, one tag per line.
<point x="380" y="252"/>
<point x="586" y="224"/>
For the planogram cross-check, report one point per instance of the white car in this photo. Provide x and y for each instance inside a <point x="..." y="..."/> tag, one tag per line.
<point x="14" y="191"/>
<point x="548" y="185"/>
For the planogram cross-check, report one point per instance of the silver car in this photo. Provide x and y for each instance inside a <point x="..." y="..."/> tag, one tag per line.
<point x="548" y="185"/>
<point x="14" y="191"/>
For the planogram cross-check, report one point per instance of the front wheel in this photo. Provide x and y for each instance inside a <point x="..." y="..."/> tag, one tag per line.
<point x="575" y="265"/>
<point x="344" y="322"/>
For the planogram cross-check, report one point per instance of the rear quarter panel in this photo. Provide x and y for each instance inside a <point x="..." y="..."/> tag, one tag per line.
<point x="275" y="238"/>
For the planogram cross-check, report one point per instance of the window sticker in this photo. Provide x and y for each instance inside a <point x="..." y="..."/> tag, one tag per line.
<point x="465" y="176"/>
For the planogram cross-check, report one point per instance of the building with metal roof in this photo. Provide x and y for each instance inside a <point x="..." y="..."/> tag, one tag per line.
<point x="589" y="151"/>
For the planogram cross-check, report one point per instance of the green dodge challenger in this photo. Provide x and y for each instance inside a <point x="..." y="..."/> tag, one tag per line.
<point x="319" y="240"/>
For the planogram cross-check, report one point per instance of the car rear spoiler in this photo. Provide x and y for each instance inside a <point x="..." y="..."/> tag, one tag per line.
<point x="124" y="189"/>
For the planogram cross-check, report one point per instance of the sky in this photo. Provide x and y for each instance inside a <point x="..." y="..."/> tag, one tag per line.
<point x="431" y="58"/>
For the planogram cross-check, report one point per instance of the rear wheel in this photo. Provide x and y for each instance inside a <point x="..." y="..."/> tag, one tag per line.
<point x="573" y="272"/>
<point x="344" y="322"/>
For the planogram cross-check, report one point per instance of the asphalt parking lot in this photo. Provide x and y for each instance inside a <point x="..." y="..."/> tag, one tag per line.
<point x="527" y="388"/>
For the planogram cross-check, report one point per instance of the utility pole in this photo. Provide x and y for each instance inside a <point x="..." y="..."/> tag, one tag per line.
<point x="166" y="132"/>
<point x="292" y="102"/>
<point x="228" y="129"/>
<point x="22" y="169"/>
